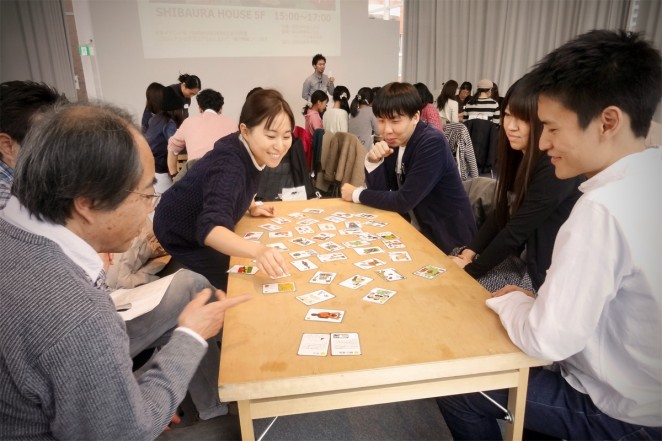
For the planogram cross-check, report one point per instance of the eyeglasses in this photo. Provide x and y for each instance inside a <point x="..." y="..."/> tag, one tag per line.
<point x="154" y="198"/>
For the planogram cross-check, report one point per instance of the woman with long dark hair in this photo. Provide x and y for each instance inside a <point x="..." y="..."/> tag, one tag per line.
<point x="362" y="122"/>
<point x="514" y="245"/>
<point x="446" y="104"/>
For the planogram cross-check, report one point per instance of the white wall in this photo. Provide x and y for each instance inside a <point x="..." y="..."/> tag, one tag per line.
<point x="369" y="57"/>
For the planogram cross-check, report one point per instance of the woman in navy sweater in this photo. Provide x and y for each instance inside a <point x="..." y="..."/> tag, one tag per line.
<point x="195" y="219"/>
<point x="531" y="203"/>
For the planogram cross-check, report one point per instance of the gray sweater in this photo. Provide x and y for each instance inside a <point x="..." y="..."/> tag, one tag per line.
<point x="65" y="369"/>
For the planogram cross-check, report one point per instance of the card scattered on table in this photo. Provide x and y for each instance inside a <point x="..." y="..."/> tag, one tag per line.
<point x="399" y="256"/>
<point x="327" y="226"/>
<point x="331" y="246"/>
<point x="356" y="282"/>
<point x="370" y="263"/>
<point x="334" y="219"/>
<point x="270" y="227"/>
<point x="253" y="235"/>
<point x="379" y="295"/>
<point x="244" y="269"/>
<point x="276" y="234"/>
<point x="323" y="277"/>
<point x="297" y="215"/>
<point x="304" y="229"/>
<point x="390" y="274"/>
<point x="393" y="244"/>
<point x="280" y="220"/>
<point x="368" y="250"/>
<point x="387" y="235"/>
<point x="302" y="241"/>
<point x="378" y="224"/>
<point x="356" y="243"/>
<point x="330" y="257"/>
<point x="367" y="216"/>
<point x="325" y="315"/>
<point x="314" y="344"/>
<point x="430" y="271"/>
<point x="315" y="297"/>
<point x="307" y="221"/>
<point x="275" y="288"/>
<point x="313" y="210"/>
<point x="303" y="254"/>
<point x="280" y="246"/>
<point x="304" y="264"/>
<point x="322" y="236"/>
<point x="345" y="343"/>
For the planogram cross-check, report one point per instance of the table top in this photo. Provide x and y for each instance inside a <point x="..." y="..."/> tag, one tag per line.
<point x="430" y="329"/>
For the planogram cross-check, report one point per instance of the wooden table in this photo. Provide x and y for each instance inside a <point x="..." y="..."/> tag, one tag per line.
<point x="434" y="337"/>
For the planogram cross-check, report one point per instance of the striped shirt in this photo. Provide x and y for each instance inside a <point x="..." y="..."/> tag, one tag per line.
<point x="483" y="108"/>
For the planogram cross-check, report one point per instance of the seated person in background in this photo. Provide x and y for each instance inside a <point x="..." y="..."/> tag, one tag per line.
<point x="531" y="204"/>
<point x="317" y="80"/>
<point x="154" y="98"/>
<point x="412" y="172"/>
<point x="446" y="104"/>
<point x="462" y="97"/>
<point x="84" y="185"/>
<point x="21" y="104"/>
<point x="481" y="105"/>
<point x="198" y="134"/>
<point x="195" y="219"/>
<point x="318" y="102"/>
<point x="429" y="113"/>
<point x="598" y="313"/>
<point x="362" y="121"/>
<point x="336" y="119"/>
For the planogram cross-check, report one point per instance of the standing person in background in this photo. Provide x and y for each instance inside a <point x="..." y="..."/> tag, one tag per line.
<point x="312" y="111"/>
<point x="462" y="97"/>
<point x="429" y="113"/>
<point x="317" y="80"/>
<point x="159" y="130"/>
<point x="188" y="87"/>
<point x="531" y="204"/>
<point x="446" y="104"/>
<point x="481" y="105"/>
<point x="336" y="119"/>
<point x="362" y="121"/>
<point x="154" y="98"/>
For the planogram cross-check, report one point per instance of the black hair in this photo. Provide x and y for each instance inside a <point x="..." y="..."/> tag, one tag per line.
<point x="317" y="96"/>
<point x="263" y="105"/>
<point x="364" y="96"/>
<point x="447" y="93"/>
<point x="172" y="106"/>
<point x="466" y="86"/>
<point x="495" y="92"/>
<point x="516" y="169"/>
<point x="341" y="94"/>
<point x="21" y="102"/>
<point x="86" y="151"/>
<point x="318" y="57"/>
<point x="395" y="99"/>
<point x="210" y="99"/>
<point x="603" y="68"/>
<point x="253" y="90"/>
<point x="424" y="93"/>
<point x="190" y="81"/>
<point x="154" y="97"/>
<point x="474" y="98"/>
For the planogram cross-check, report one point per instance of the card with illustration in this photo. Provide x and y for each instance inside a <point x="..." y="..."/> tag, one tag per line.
<point x="378" y="224"/>
<point x="331" y="257"/>
<point x="304" y="264"/>
<point x="394" y="244"/>
<point x="368" y="250"/>
<point x="276" y="234"/>
<point x="304" y="229"/>
<point x="315" y="297"/>
<point x="353" y="225"/>
<point x="307" y="221"/>
<point x="322" y="236"/>
<point x="399" y="256"/>
<point x="280" y="246"/>
<point x="325" y="315"/>
<point x="387" y="235"/>
<point x="345" y="343"/>
<point x="253" y="235"/>
<point x="351" y="231"/>
<point x="314" y="344"/>
<point x="303" y="254"/>
<point x="379" y="295"/>
<point x="334" y="219"/>
<point x="342" y="214"/>
<point x="297" y="215"/>
<point x="331" y="246"/>
<point x="244" y="269"/>
<point x="366" y="216"/>
<point x="390" y="274"/>
<point x="430" y="271"/>
<point x="355" y="282"/>
<point x="356" y="243"/>
<point x="367" y="236"/>
<point x="313" y="210"/>
<point x="326" y="226"/>
<point x="280" y="220"/>
<point x="302" y="241"/>
<point x="270" y="227"/>
<point x="275" y="288"/>
<point x="323" y="277"/>
<point x="370" y="263"/>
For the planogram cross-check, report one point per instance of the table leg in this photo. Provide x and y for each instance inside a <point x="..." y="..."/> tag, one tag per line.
<point x="245" y="420"/>
<point x="517" y="405"/>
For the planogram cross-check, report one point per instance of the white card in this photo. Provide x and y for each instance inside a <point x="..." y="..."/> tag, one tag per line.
<point x="323" y="277"/>
<point x="302" y="241"/>
<point x="355" y="282"/>
<point x="326" y="226"/>
<point x="314" y="344"/>
<point x="270" y="227"/>
<point x="351" y="231"/>
<point x="313" y="210"/>
<point x="307" y="221"/>
<point x="370" y="263"/>
<point x="274" y="288"/>
<point x="331" y="246"/>
<point x="366" y="216"/>
<point x="368" y="236"/>
<point x="280" y="246"/>
<point x="394" y="244"/>
<point x="297" y="215"/>
<point x="244" y="269"/>
<point x="253" y="235"/>
<point x="325" y="315"/>
<point x="276" y="234"/>
<point x="345" y="343"/>
<point x="368" y="250"/>
<point x="322" y="236"/>
<point x="379" y="295"/>
<point x="304" y="229"/>
<point x="390" y="274"/>
<point x="387" y="235"/>
<point x="341" y="214"/>
<point x="334" y="219"/>
<point x="356" y="243"/>
<point x="399" y="256"/>
<point x="303" y="254"/>
<point x="378" y="224"/>
<point x="280" y="220"/>
<point x="315" y="297"/>
<point x="353" y="225"/>
<point x="331" y="257"/>
<point x="430" y="271"/>
<point x="304" y="265"/>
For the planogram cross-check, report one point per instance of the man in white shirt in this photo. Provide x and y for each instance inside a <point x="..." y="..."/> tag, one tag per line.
<point x="599" y="313"/>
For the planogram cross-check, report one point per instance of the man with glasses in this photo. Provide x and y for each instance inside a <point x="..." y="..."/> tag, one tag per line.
<point x="83" y="185"/>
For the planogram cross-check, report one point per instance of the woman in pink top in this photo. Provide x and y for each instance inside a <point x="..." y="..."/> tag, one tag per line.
<point x="429" y="112"/>
<point x="318" y="101"/>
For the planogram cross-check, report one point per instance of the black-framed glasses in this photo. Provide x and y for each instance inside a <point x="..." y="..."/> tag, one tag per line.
<point x="154" y="198"/>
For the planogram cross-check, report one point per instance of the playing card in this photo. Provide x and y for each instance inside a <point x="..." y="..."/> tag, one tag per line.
<point x="370" y="263"/>
<point x="276" y="234"/>
<point x="341" y="214"/>
<point x="314" y="344"/>
<point x="253" y="235"/>
<point x="366" y="216"/>
<point x="399" y="256"/>
<point x="390" y="274"/>
<point x="326" y="226"/>
<point x="394" y="244"/>
<point x="356" y="281"/>
<point x="331" y="257"/>
<point x="325" y="315"/>
<point x="297" y="215"/>
<point x="280" y="246"/>
<point x="378" y="224"/>
<point x="315" y="297"/>
<point x="323" y="277"/>
<point x="313" y="210"/>
<point x="307" y="221"/>
<point x="367" y="236"/>
<point x="243" y="269"/>
<point x="274" y="288"/>
<point x="368" y="250"/>
<point x="430" y="271"/>
<point x="303" y="254"/>
<point x="331" y="246"/>
<point x="356" y="243"/>
<point x="351" y="231"/>
<point x="345" y="343"/>
<point x="387" y="235"/>
<point x="321" y="237"/>
<point x="304" y="264"/>
<point x="353" y="225"/>
<point x="379" y="295"/>
<point x="334" y="219"/>
<point x="302" y="241"/>
<point x="304" y="229"/>
<point x="280" y="220"/>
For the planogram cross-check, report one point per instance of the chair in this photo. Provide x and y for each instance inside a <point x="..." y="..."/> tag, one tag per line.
<point x="484" y="137"/>
<point x="342" y="161"/>
<point x="291" y="172"/>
